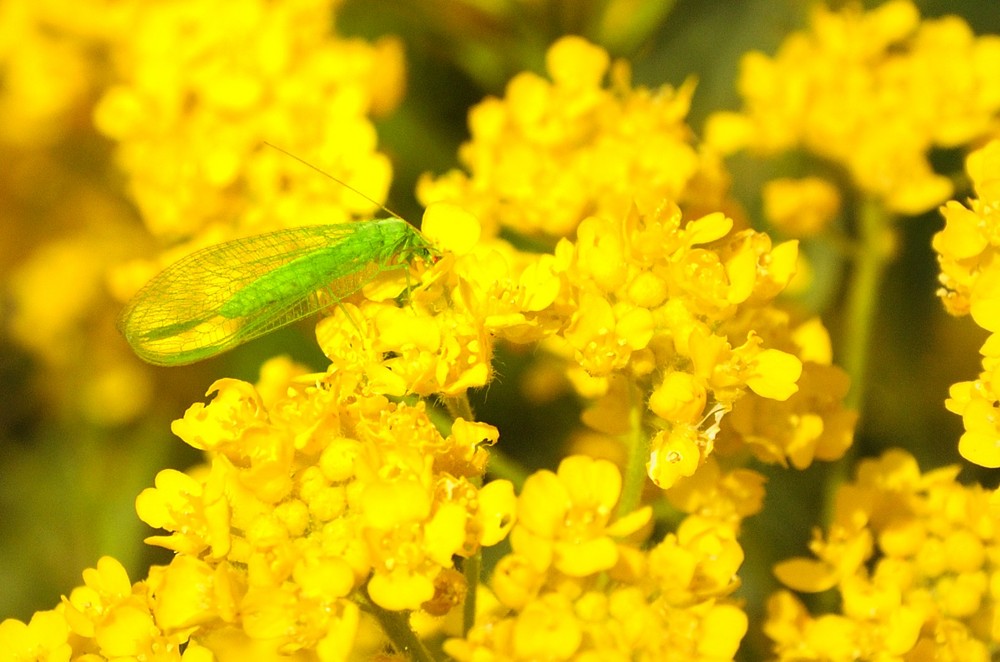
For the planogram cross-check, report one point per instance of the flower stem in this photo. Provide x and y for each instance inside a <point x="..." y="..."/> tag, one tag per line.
<point x="396" y="625"/>
<point x="503" y="466"/>
<point x="459" y="407"/>
<point x="875" y="248"/>
<point x="637" y="442"/>
<point x="471" y="567"/>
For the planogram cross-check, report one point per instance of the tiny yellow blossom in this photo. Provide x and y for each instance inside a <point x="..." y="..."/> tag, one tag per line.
<point x="775" y="374"/>
<point x="681" y="397"/>
<point x="451" y="228"/>
<point x="561" y="517"/>
<point x="800" y="208"/>
<point x="44" y="637"/>
<point x="969" y="241"/>
<point x="726" y="498"/>
<point x="812" y="423"/>
<point x="674" y="455"/>
<point x="107" y="617"/>
<point x="498" y="509"/>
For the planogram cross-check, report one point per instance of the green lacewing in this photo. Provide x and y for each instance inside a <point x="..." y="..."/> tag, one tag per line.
<point x="228" y="294"/>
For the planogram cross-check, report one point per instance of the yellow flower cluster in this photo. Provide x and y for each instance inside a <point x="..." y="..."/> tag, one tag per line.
<point x="551" y="153"/>
<point x="967" y="249"/>
<point x="663" y="312"/>
<point x="306" y="500"/>
<point x="873" y="92"/>
<point x="48" y="57"/>
<point x="106" y="618"/>
<point x="323" y="498"/>
<point x="334" y="502"/>
<point x="62" y="225"/>
<point x="811" y="424"/>
<point x="677" y="308"/>
<point x="578" y="585"/>
<point x="650" y="314"/>
<point x="202" y="85"/>
<point x="188" y="91"/>
<point x="914" y="559"/>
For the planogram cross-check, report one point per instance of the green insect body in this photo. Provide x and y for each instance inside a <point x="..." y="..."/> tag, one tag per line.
<point x="225" y="295"/>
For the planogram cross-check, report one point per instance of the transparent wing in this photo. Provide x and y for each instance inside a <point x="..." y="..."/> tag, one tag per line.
<point x="177" y="317"/>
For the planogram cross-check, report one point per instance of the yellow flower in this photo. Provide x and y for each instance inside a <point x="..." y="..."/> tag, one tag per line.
<point x="977" y="403"/>
<point x="681" y="397"/>
<point x="550" y="153"/>
<point x="52" y="66"/>
<point x="641" y="294"/>
<point x="107" y="617"/>
<point x="576" y="590"/>
<point x="699" y="562"/>
<point x="968" y="243"/>
<point x="442" y="340"/>
<point x="911" y="555"/>
<point x="873" y="92"/>
<point x="546" y="629"/>
<point x="190" y="592"/>
<point x="200" y="516"/>
<point x="44" y="637"/>
<point x="311" y="497"/>
<point x="726" y="498"/>
<point x="800" y="208"/>
<point x="675" y="454"/>
<point x="563" y="517"/>
<point x="335" y="510"/>
<point x="774" y="374"/>
<point x="201" y="86"/>
<point x="652" y="302"/>
<point x="811" y="424"/>
<point x="967" y="251"/>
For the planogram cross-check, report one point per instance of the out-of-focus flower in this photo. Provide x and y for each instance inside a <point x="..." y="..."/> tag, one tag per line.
<point x="202" y="86"/>
<point x="873" y="92"/>
<point x="800" y="208"/>
<point x="912" y="556"/>
<point x="552" y="152"/>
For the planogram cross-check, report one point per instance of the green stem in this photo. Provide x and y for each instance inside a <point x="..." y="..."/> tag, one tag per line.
<point x="458" y="406"/>
<point x="874" y="250"/>
<point x="396" y="625"/>
<point x="472" y="568"/>
<point x="637" y="442"/>
<point x="503" y="466"/>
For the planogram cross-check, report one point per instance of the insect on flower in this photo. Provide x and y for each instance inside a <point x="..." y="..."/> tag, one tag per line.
<point x="225" y="295"/>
